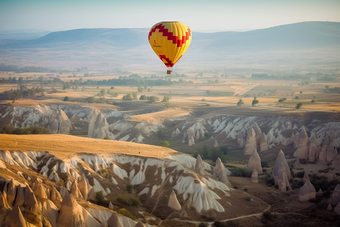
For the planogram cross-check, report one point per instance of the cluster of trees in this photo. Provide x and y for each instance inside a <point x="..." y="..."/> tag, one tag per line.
<point x="130" y="97"/>
<point x="151" y="99"/>
<point x="24" y="92"/>
<point x="212" y="153"/>
<point x="331" y="90"/>
<point x="10" y="129"/>
<point x="282" y="100"/>
<point x="26" y="69"/>
<point x="126" y="81"/>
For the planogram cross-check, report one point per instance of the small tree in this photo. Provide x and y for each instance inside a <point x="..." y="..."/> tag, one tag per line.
<point x="240" y="102"/>
<point x="134" y="95"/>
<point x="127" y="97"/>
<point x="90" y="100"/>
<point x="166" y="99"/>
<point x="296" y="97"/>
<point x="152" y="99"/>
<point x="298" y="106"/>
<point x="313" y="101"/>
<point x="142" y="97"/>
<point x="254" y="102"/>
<point x="300" y="92"/>
<point x="102" y="92"/>
<point x="66" y="99"/>
<point x="165" y="143"/>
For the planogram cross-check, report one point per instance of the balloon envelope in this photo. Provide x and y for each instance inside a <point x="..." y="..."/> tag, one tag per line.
<point x="169" y="40"/>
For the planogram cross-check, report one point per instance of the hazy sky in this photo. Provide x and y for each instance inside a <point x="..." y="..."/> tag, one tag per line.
<point x="199" y="15"/>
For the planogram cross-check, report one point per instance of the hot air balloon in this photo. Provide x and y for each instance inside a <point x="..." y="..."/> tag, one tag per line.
<point x="169" y="40"/>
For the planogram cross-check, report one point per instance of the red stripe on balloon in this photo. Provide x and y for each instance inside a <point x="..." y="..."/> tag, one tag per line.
<point x="169" y="64"/>
<point x="170" y="35"/>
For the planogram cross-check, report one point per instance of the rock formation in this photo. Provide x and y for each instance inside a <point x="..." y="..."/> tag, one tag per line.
<point x="199" y="165"/>
<point x="305" y="177"/>
<point x="313" y="150"/>
<point x="113" y="221"/>
<point x="20" y="198"/>
<point x="75" y="191"/>
<point x="11" y="192"/>
<point x="98" y="126"/>
<point x="240" y="140"/>
<point x="70" y="215"/>
<point x="323" y="151"/>
<point x="329" y="207"/>
<point x="336" y="195"/>
<point x="281" y="172"/>
<point x="220" y="173"/>
<point x="60" y="124"/>
<point x="31" y="202"/>
<point x="39" y="190"/>
<point x="297" y="164"/>
<point x="139" y="224"/>
<point x="175" y="133"/>
<point x="91" y="195"/>
<point x="215" y="143"/>
<point x="337" y="209"/>
<point x="302" y="145"/>
<point x="254" y="162"/>
<point x="55" y="195"/>
<point x="3" y="201"/>
<point x="82" y="185"/>
<point x="14" y="218"/>
<point x="331" y="151"/>
<point x="173" y="202"/>
<point x="250" y="142"/>
<point x="263" y="142"/>
<point x="307" y="192"/>
<point x="255" y="176"/>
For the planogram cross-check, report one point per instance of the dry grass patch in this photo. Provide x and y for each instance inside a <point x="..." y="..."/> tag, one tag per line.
<point x="159" y="117"/>
<point x="66" y="146"/>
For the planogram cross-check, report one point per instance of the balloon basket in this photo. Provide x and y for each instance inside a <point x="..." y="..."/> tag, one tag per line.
<point x="169" y="72"/>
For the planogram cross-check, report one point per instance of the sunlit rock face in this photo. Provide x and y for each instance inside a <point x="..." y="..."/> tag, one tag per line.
<point x="254" y="162"/>
<point x="281" y="172"/>
<point x="250" y="144"/>
<point x="307" y="192"/>
<point x="302" y="145"/>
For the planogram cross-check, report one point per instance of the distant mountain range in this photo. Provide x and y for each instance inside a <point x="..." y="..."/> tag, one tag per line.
<point x="118" y="47"/>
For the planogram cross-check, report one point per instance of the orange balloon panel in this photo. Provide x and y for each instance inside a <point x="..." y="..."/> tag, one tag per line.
<point x="169" y="40"/>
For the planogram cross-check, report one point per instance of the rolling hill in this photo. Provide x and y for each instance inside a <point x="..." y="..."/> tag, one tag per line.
<point x="300" y="43"/>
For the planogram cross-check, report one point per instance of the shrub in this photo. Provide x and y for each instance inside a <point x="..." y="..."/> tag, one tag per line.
<point x="90" y="100"/>
<point x="122" y="200"/>
<point x="219" y="224"/>
<point x="126" y="213"/>
<point x="267" y="215"/>
<point x="296" y="97"/>
<point x="254" y="102"/>
<point x="264" y="163"/>
<point x="298" y="106"/>
<point x="240" y="102"/>
<point x="107" y="138"/>
<point x="313" y="101"/>
<point x="129" y="187"/>
<point x="134" y="201"/>
<point x="100" y="196"/>
<point x="103" y="171"/>
<point x="165" y="143"/>
<point x="240" y="172"/>
<point x="66" y="98"/>
<point x="142" y="97"/>
<point x="203" y="224"/>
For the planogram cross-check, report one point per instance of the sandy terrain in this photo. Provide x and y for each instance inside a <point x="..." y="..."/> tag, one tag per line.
<point x="65" y="146"/>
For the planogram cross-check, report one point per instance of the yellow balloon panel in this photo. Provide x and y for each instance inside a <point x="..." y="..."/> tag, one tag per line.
<point x="169" y="40"/>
